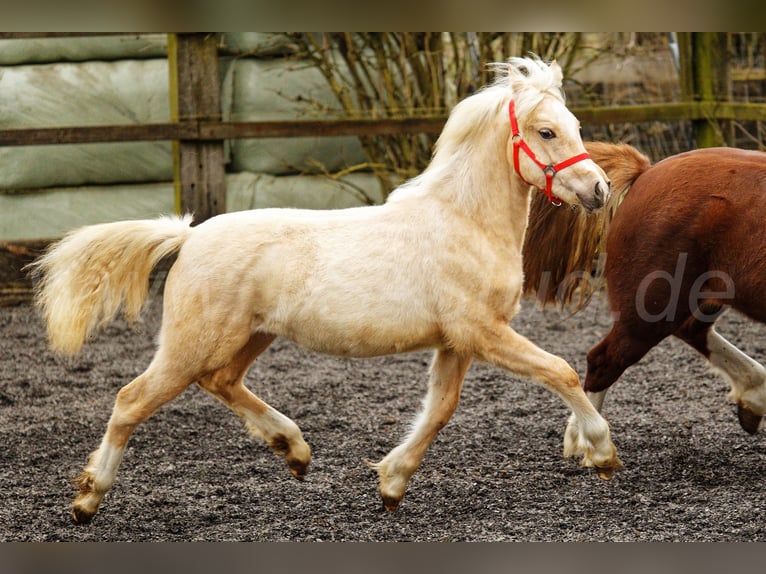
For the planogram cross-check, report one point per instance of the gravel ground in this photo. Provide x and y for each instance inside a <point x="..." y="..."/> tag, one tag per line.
<point x="495" y="473"/>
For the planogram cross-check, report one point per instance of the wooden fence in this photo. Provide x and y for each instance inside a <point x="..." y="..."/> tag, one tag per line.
<point x="198" y="132"/>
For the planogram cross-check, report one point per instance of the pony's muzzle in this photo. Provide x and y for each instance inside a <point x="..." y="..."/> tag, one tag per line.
<point x="601" y="193"/>
<point x="598" y="198"/>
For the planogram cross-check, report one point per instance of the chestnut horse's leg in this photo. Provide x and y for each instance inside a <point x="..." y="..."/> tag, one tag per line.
<point x="264" y="422"/>
<point x="588" y="432"/>
<point x="446" y="381"/>
<point x="620" y="349"/>
<point x="746" y="376"/>
<point x="135" y="402"/>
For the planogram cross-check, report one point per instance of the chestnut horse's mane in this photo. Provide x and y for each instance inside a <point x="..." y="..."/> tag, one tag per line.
<point x="564" y="246"/>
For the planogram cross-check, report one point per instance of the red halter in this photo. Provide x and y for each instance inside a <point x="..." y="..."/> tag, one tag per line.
<point x="550" y="170"/>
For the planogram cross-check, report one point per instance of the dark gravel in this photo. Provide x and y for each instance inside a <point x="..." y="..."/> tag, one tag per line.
<point x="495" y="473"/>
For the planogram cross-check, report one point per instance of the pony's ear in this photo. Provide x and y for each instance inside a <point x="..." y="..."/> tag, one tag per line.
<point x="558" y="73"/>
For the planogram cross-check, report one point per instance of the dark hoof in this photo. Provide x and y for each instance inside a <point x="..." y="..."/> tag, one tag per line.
<point x="80" y="516"/>
<point x="748" y="420"/>
<point x="390" y="504"/>
<point x="298" y="469"/>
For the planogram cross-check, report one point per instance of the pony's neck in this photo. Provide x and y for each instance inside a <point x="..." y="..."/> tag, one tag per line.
<point x="477" y="180"/>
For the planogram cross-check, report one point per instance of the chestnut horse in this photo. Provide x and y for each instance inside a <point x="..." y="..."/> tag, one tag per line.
<point x="437" y="266"/>
<point x="685" y="240"/>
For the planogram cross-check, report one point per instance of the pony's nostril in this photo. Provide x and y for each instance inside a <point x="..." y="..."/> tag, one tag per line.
<point x="598" y="192"/>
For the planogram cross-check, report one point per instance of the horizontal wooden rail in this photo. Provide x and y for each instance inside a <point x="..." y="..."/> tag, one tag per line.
<point x="680" y="111"/>
<point x="209" y="130"/>
<point x="97" y="134"/>
<point x="42" y="35"/>
<point x="365" y="127"/>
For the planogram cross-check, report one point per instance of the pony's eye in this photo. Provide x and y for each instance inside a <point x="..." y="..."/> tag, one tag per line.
<point x="547" y="134"/>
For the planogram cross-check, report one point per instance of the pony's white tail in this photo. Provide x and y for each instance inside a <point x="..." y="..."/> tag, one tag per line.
<point x="84" y="279"/>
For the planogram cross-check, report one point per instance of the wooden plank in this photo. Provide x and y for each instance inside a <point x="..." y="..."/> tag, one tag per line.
<point x="741" y="112"/>
<point x="704" y="80"/>
<point x="234" y="130"/>
<point x="198" y="165"/>
<point x="97" y="134"/>
<point x="209" y="130"/>
<point x="31" y="35"/>
<point x="674" y="112"/>
<point x="637" y="113"/>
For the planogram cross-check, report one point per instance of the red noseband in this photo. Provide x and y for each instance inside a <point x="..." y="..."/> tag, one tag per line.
<point x="550" y="170"/>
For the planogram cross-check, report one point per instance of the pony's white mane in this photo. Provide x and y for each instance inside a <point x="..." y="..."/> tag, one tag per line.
<point x="526" y="80"/>
<point x="529" y="79"/>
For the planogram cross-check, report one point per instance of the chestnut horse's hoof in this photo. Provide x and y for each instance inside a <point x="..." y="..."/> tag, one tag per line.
<point x="748" y="420"/>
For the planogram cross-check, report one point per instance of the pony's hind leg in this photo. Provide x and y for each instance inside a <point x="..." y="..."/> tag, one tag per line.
<point x="746" y="376"/>
<point x="264" y="422"/>
<point x="446" y="381"/>
<point x="588" y="433"/>
<point x="135" y="402"/>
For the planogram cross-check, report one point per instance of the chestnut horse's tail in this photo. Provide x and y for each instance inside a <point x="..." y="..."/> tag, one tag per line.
<point x="84" y="279"/>
<point x="564" y="248"/>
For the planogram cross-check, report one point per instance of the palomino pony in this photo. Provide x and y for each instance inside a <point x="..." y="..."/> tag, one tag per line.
<point x="437" y="266"/>
<point x="686" y="241"/>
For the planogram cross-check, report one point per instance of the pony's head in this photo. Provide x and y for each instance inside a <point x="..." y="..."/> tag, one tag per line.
<point x="545" y="146"/>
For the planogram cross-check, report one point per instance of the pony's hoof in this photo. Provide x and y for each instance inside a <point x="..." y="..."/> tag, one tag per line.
<point x="81" y="516"/>
<point x="298" y="469"/>
<point x="748" y="420"/>
<point x="605" y="473"/>
<point x="390" y="504"/>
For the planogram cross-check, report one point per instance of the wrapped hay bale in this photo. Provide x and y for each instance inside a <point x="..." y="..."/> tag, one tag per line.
<point x="50" y="213"/>
<point x="285" y="89"/>
<point x="89" y="93"/>
<point x="253" y="191"/>
<point x="16" y="51"/>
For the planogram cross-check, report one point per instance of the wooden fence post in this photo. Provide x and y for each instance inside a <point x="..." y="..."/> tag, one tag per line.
<point x="704" y="78"/>
<point x="195" y="96"/>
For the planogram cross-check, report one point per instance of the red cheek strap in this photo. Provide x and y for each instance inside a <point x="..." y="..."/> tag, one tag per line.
<point x="550" y="169"/>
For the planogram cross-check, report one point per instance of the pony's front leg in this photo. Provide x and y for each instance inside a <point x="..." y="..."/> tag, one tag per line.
<point x="588" y="432"/>
<point x="597" y="399"/>
<point x="446" y="381"/>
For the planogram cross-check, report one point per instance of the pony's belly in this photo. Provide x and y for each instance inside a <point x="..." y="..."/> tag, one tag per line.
<point x="359" y="348"/>
<point x="355" y="339"/>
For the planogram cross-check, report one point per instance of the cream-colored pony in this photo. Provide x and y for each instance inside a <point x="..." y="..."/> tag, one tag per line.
<point x="437" y="266"/>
